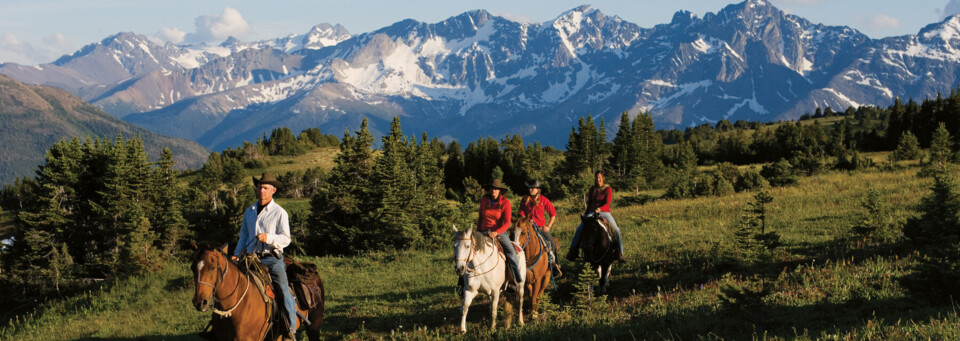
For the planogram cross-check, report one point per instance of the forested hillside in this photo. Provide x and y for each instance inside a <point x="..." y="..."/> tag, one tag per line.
<point x="33" y="118"/>
<point x="841" y="224"/>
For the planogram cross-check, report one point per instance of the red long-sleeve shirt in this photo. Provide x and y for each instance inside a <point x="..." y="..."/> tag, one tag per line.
<point x="599" y="198"/>
<point x="494" y="215"/>
<point x="535" y="212"/>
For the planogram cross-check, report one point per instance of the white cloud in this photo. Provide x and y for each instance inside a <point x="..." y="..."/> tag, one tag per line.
<point x="952" y="7"/>
<point x="878" y="22"/>
<point x="57" y="41"/>
<point x="520" y="18"/>
<point x="211" y="28"/>
<point x="13" y="49"/>
<point x="172" y="35"/>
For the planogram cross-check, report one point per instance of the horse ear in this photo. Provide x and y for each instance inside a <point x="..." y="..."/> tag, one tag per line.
<point x="455" y="228"/>
<point x="193" y="245"/>
<point x="223" y="248"/>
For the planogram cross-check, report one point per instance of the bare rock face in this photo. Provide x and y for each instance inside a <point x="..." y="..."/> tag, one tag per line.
<point x="477" y="74"/>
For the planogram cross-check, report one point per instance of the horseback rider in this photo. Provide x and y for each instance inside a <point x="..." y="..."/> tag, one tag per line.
<point x="598" y="202"/>
<point x="269" y="224"/>
<point x="534" y="206"/>
<point x="494" y="220"/>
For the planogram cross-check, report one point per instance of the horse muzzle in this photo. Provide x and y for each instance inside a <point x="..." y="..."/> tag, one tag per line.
<point x="201" y="305"/>
<point x="461" y="269"/>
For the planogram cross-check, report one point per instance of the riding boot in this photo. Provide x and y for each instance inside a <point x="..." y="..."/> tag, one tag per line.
<point x="553" y="260"/>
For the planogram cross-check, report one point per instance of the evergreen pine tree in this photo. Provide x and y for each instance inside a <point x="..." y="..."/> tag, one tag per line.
<point x="938" y="224"/>
<point x="941" y="146"/>
<point x="907" y="149"/>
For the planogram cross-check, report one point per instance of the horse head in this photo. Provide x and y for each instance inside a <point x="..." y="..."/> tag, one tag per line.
<point x="595" y="238"/>
<point x="523" y="225"/>
<point x="209" y="267"/>
<point x="463" y="249"/>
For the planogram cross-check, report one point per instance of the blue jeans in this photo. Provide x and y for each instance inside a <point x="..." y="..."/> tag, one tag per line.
<point x="613" y="224"/>
<point x="510" y="253"/>
<point x="278" y="272"/>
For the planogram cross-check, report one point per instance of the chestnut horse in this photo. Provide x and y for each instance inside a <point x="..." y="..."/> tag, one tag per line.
<point x="538" y="262"/>
<point x="242" y="313"/>
<point x="598" y="247"/>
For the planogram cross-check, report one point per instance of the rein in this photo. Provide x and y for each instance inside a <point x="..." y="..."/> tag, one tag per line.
<point x="472" y="255"/>
<point x="606" y="233"/>
<point x="226" y="268"/>
<point x="530" y="236"/>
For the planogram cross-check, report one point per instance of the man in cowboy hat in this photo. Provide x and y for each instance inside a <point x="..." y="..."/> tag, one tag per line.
<point x="266" y="231"/>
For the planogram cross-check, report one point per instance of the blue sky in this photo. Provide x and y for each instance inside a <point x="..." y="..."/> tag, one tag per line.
<point x="39" y="31"/>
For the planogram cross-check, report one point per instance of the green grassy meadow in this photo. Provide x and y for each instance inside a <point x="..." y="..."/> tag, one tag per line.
<point x="819" y="285"/>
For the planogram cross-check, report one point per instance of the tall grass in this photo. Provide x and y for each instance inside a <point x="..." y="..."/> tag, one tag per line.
<point x="820" y="285"/>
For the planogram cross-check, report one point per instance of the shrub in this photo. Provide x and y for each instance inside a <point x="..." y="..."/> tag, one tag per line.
<point x="779" y="173"/>
<point x="749" y="181"/>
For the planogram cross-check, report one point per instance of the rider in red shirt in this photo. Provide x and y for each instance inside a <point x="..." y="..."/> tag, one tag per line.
<point x="494" y="220"/>
<point x="598" y="202"/>
<point x="534" y="206"/>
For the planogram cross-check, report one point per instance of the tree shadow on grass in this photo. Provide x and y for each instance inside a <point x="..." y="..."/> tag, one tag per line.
<point x="742" y="322"/>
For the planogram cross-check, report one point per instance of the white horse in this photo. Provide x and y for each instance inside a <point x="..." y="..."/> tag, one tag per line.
<point x="482" y="268"/>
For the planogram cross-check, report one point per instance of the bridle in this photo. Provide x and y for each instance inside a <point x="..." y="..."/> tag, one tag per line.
<point x="472" y="254"/>
<point x="226" y="268"/>
<point x="530" y="236"/>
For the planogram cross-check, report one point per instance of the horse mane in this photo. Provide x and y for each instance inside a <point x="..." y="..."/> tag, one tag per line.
<point x="480" y="240"/>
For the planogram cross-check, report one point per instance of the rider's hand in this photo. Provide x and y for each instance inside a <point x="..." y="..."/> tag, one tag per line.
<point x="546" y="229"/>
<point x="494" y="234"/>
<point x="234" y="258"/>
<point x="262" y="237"/>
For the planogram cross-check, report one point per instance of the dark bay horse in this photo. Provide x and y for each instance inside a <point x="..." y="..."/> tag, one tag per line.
<point x="598" y="246"/>
<point x="242" y="313"/>
<point x="538" y="262"/>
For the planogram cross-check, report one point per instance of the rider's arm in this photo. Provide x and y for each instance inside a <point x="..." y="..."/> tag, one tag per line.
<point x="549" y="209"/>
<point x="607" y="197"/>
<point x="505" y="217"/>
<point x="281" y="236"/>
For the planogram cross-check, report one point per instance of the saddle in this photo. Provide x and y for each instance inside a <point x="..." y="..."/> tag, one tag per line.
<point x="306" y="282"/>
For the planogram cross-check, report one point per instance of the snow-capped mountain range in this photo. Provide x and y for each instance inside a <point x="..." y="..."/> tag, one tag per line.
<point x="477" y="74"/>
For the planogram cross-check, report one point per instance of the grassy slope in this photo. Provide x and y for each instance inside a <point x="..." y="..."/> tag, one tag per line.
<point x="669" y="288"/>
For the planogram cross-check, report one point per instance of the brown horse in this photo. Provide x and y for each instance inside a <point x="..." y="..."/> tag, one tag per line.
<point x="538" y="262"/>
<point x="598" y="247"/>
<point x="242" y="313"/>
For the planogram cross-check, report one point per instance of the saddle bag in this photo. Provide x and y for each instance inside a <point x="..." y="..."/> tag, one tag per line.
<point x="305" y="281"/>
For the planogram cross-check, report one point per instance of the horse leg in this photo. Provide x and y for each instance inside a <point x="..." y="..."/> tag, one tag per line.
<point x="468" y="296"/>
<point x="537" y="290"/>
<point x="520" y="303"/>
<point x="493" y="308"/>
<point x="605" y="279"/>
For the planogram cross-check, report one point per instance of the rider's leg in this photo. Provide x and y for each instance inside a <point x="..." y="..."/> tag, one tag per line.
<point x="278" y="273"/>
<point x="511" y="255"/>
<point x="552" y="247"/>
<point x="574" y="251"/>
<point x="613" y="223"/>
